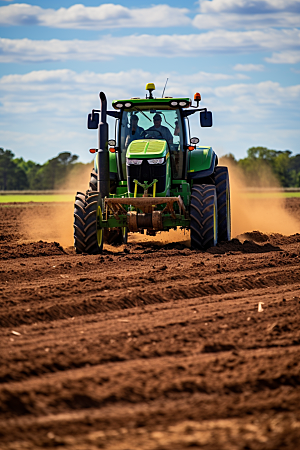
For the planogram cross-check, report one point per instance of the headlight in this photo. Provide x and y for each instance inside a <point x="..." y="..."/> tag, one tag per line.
<point x="182" y="103"/>
<point x="119" y="105"/>
<point x="134" y="162"/>
<point x="128" y="105"/>
<point x="174" y="103"/>
<point x="156" y="161"/>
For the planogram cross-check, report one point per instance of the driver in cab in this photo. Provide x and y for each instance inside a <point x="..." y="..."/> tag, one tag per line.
<point x="163" y="132"/>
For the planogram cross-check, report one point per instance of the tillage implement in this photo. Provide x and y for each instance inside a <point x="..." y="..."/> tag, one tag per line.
<point x="153" y="176"/>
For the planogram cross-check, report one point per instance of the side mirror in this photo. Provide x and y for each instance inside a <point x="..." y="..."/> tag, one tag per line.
<point x="93" y="121"/>
<point x="206" y="118"/>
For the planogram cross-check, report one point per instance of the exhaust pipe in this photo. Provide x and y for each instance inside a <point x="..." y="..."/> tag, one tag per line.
<point x="103" y="179"/>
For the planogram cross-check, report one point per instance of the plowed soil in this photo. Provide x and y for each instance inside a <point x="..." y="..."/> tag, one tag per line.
<point x="152" y="346"/>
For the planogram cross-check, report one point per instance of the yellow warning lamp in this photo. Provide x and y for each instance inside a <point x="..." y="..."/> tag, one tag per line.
<point x="150" y="87"/>
<point x="197" y="98"/>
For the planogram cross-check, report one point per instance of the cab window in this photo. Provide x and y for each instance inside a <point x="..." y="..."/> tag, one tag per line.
<point x="154" y="124"/>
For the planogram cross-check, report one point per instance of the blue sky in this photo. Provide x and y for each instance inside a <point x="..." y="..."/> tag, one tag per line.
<point x="243" y="56"/>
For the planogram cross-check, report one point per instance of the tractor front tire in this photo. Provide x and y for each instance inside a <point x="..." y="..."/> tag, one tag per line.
<point x="79" y="222"/>
<point x="204" y="217"/>
<point x="223" y="201"/>
<point x="94" y="234"/>
<point x="110" y="236"/>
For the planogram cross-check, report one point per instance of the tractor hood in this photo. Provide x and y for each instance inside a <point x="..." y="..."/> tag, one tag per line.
<point x="147" y="148"/>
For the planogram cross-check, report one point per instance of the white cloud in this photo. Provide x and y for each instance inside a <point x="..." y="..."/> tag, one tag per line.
<point x="286" y="57"/>
<point x="250" y="22"/>
<point x="246" y="6"/>
<point x="249" y="67"/>
<point x="52" y="92"/>
<point x="245" y="14"/>
<point x="26" y="50"/>
<point x="100" y="17"/>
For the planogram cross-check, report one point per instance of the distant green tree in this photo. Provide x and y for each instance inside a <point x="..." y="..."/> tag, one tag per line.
<point x="30" y="168"/>
<point x="54" y="172"/>
<point x="294" y="168"/>
<point x="263" y="164"/>
<point x="12" y="176"/>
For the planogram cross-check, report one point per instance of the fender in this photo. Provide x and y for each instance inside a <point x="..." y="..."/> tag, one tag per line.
<point x="113" y="171"/>
<point x="201" y="162"/>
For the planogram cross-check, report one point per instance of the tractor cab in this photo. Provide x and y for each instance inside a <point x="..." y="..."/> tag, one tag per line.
<point x="154" y="130"/>
<point x="155" y="126"/>
<point x="153" y="138"/>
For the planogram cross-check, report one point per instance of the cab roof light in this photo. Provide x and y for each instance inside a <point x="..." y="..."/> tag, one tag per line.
<point x="150" y="87"/>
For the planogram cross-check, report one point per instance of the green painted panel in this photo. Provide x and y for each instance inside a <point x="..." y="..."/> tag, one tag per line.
<point x="144" y="148"/>
<point x="200" y="159"/>
<point x="156" y="147"/>
<point x="137" y="147"/>
<point x="113" y="162"/>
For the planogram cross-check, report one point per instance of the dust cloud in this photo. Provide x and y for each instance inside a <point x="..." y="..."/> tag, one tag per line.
<point x="162" y="237"/>
<point x="49" y="222"/>
<point x="78" y="179"/>
<point x="54" y="221"/>
<point x="261" y="209"/>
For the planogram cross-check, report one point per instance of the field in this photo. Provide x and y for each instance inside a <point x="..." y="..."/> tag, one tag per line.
<point x="152" y="346"/>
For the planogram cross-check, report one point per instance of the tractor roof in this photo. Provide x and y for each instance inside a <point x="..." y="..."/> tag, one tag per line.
<point x="148" y="103"/>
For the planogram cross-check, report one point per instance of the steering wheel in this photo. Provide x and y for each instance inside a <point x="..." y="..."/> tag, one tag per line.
<point x="151" y="134"/>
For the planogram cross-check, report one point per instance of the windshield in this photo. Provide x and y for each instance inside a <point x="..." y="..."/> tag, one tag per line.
<point x="154" y="124"/>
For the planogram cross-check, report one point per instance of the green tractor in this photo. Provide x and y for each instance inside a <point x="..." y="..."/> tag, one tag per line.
<point x="152" y="176"/>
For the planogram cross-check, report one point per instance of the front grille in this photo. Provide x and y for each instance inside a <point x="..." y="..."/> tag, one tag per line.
<point x="147" y="172"/>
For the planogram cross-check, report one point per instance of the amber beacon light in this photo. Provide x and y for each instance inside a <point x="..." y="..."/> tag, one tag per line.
<point x="197" y="98"/>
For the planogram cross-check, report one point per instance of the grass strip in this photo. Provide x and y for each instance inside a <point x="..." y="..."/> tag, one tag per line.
<point x="19" y="198"/>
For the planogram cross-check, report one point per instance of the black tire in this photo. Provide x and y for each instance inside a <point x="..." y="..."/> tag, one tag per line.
<point x="93" y="181"/>
<point x="223" y="201"/>
<point x="110" y="236"/>
<point x="116" y="236"/>
<point x="79" y="222"/>
<point x="94" y="234"/>
<point x="204" y="216"/>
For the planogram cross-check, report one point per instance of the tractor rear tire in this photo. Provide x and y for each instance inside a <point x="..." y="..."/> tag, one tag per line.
<point x="223" y="201"/>
<point x="93" y="232"/>
<point x="204" y="217"/>
<point x="110" y="236"/>
<point x="79" y="222"/>
<point x="93" y="181"/>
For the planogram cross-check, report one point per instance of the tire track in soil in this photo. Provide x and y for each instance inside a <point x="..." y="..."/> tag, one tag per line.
<point x="198" y="365"/>
<point x="92" y="299"/>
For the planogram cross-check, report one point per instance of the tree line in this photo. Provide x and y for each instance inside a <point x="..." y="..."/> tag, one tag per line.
<point x="56" y="173"/>
<point x="259" y="167"/>
<point x="263" y="167"/>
